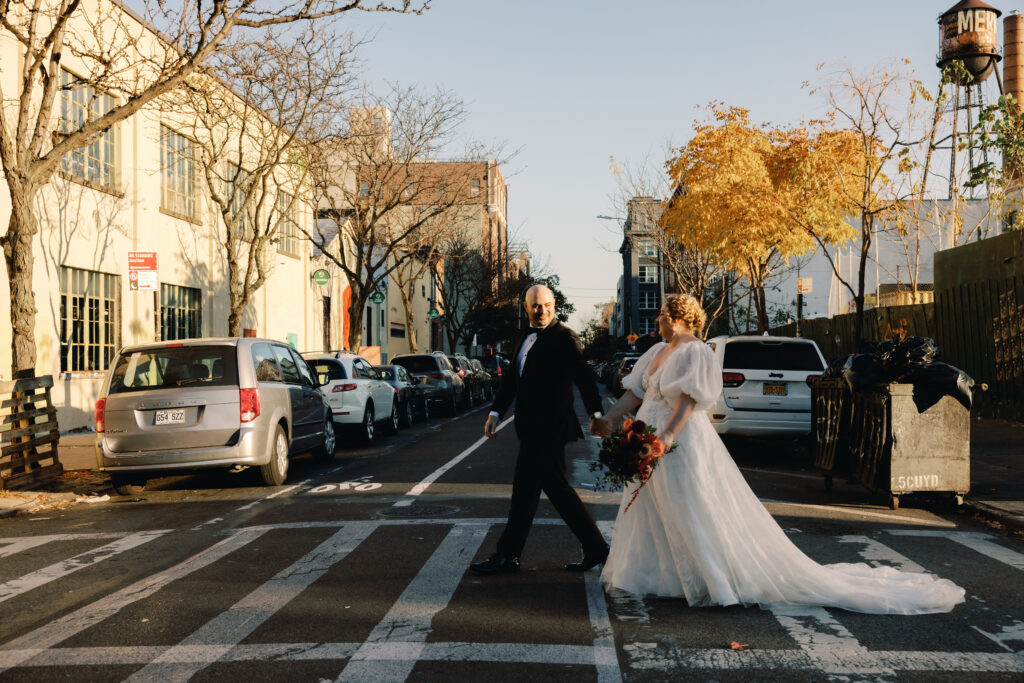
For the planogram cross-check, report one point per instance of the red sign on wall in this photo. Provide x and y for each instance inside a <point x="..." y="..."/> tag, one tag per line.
<point x="142" y="275"/>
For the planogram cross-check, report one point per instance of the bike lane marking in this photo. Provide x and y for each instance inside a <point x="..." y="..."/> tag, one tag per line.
<point x="439" y="472"/>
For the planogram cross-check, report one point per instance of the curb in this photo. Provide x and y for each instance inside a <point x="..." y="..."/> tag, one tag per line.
<point x="996" y="514"/>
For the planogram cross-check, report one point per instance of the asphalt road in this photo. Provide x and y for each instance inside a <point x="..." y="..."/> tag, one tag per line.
<point x="356" y="571"/>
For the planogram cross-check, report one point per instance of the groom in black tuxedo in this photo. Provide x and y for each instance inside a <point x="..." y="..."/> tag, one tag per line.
<point x="546" y="364"/>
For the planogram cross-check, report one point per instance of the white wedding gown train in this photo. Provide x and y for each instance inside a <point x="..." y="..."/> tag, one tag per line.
<point x="697" y="530"/>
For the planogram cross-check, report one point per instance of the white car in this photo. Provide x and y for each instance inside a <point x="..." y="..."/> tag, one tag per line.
<point x="764" y="385"/>
<point x="359" y="398"/>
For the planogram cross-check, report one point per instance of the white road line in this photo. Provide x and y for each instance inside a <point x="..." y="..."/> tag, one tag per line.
<point x="396" y="643"/>
<point x="605" y="658"/>
<point x="61" y="569"/>
<point x="830" y="645"/>
<point x="71" y="624"/>
<point x="436" y="474"/>
<point x="256" y="502"/>
<point x="892" y="519"/>
<point x="879" y="554"/>
<point x="14" y="545"/>
<point x="230" y="627"/>
<point x="977" y="541"/>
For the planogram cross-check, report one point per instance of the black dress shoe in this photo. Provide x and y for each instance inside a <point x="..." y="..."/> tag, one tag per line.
<point x="587" y="562"/>
<point x="496" y="564"/>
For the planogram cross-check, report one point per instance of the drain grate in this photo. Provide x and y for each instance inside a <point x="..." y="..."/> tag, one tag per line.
<point x="419" y="511"/>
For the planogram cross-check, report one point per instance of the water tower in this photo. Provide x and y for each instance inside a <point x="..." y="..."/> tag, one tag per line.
<point x="968" y="32"/>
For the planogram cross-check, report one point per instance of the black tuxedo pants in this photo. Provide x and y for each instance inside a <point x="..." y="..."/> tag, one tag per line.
<point x="541" y="467"/>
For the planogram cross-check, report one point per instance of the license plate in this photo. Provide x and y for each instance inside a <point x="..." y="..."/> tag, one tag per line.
<point x="169" y="417"/>
<point x="774" y="389"/>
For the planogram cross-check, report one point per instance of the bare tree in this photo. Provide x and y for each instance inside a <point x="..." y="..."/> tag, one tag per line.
<point x="122" y="65"/>
<point x="381" y="195"/>
<point x="247" y="137"/>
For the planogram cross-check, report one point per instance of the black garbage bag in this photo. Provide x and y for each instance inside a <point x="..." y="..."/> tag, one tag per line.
<point x="936" y="380"/>
<point x="857" y="370"/>
<point x="897" y="361"/>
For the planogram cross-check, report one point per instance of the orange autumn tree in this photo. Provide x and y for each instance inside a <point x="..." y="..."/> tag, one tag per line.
<point x="758" y="196"/>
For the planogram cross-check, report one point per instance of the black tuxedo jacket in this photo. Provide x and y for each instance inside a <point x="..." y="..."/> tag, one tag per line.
<point x="543" y="393"/>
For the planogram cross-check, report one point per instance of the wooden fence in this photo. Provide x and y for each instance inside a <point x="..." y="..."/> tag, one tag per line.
<point x="28" y="433"/>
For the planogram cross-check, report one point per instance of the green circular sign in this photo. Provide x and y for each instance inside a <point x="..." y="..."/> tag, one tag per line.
<point x="321" y="277"/>
<point x="433" y="313"/>
<point x="377" y="297"/>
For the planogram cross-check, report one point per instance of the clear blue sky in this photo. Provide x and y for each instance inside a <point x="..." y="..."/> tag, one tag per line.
<point x="572" y="82"/>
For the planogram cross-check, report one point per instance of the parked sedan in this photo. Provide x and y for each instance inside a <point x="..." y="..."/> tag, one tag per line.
<point x="444" y="386"/>
<point x="483" y="379"/>
<point x="412" y="396"/>
<point x="358" y="396"/>
<point x="474" y="384"/>
<point x="624" y="368"/>
<point x="199" y="403"/>
<point x="765" y="385"/>
<point x="496" y="366"/>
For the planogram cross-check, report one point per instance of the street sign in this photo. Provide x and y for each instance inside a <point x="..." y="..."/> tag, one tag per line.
<point x="804" y="285"/>
<point x="632" y="337"/>
<point x="321" y="277"/>
<point x="433" y="313"/>
<point x="377" y="297"/>
<point x="142" y="275"/>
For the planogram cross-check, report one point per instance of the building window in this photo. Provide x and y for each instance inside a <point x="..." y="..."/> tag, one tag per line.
<point x="423" y="291"/>
<point x="410" y="189"/>
<point x="235" y="189"/>
<point x="288" y="226"/>
<point x="648" y="325"/>
<point x="177" y="161"/>
<point x="398" y="330"/>
<point x="180" y="312"/>
<point x="89" y="319"/>
<point x="364" y="188"/>
<point x="646" y="247"/>
<point x="474" y="187"/>
<point x="80" y="103"/>
<point x="647" y="274"/>
<point x="649" y="300"/>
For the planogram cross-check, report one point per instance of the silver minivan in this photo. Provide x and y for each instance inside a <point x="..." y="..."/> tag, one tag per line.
<point x="200" y="403"/>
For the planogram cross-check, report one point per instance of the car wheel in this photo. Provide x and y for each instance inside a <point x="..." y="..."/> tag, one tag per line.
<point x="394" y="419"/>
<point x="453" y="405"/>
<point x="407" y="415"/>
<point x="367" y="430"/>
<point x="426" y="410"/>
<point x="127" y="486"/>
<point x="469" y="398"/>
<point x="326" y="451"/>
<point x="276" y="471"/>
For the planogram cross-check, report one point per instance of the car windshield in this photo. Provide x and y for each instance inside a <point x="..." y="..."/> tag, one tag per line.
<point x="771" y="355"/>
<point x="174" y="366"/>
<point x="417" y="363"/>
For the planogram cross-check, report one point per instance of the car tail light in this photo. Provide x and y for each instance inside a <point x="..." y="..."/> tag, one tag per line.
<point x="732" y="379"/>
<point x="462" y="372"/>
<point x="248" y="404"/>
<point x="499" y="371"/>
<point x="810" y="377"/>
<point x="347" y="386"/>
<point x="437" y="375"/>
<point x="101" y="415"/>
<point x="718" y="416"/>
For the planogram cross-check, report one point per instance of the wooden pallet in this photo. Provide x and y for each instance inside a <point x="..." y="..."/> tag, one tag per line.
<point x="28" y="433"/>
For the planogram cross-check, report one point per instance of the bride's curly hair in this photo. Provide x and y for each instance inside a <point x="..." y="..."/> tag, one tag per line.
<point x="686" y="309"/>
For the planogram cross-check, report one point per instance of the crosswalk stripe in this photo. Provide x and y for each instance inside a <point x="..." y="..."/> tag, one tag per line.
<point x="827" y="642"/>
<point x="63" y="568"/>
<point x="230" y="627"/>
<point x="877" y="554"/>
<point x="15" y="545"/>
<point x="605" y="658"/>
<point x="977" y="541"/>
<point x="67" y="626"/>
<point x="395" y="644"/>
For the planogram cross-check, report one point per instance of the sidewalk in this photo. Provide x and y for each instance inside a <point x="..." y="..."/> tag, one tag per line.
<point x="997" y="474"/>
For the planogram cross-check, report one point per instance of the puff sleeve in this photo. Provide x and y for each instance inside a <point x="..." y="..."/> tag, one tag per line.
<point x="692" y="370"/>
<point x="634" y="380"/>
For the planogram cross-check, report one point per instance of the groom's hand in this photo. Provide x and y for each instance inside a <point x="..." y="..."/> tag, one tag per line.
<point x="491" y="427"/>
<point x="599" y="426"/>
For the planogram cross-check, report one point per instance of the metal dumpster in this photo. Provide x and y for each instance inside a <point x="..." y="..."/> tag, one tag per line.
<point x="888" y="445"/>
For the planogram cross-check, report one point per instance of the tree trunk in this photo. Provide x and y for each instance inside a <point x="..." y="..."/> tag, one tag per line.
<point x="17" y="244"/>
<point x="355" y="321"/>
<point x="867" y="227"/>
<point x="410" y="329"/>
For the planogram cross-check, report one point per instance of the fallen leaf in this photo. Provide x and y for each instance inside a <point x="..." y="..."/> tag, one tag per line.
<point x="738" y="646"/>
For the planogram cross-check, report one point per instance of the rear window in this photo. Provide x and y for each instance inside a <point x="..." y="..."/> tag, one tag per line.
<point x="768" y="355"/>
<point x="489" y="362"/>
<point x="417" y="364"/>
<point x="176" y="366"/>
<point x="327" y="371"/>
<point x="385" y="373"/>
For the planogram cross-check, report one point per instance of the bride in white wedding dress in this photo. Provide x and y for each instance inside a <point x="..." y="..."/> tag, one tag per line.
<point x="697" y="530"/>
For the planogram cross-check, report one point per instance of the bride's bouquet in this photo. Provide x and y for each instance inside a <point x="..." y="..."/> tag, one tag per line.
<point x="629" y="454"/>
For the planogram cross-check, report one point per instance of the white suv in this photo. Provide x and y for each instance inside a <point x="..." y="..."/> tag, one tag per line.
<point x="357" y="394"/>
<point x="764" y="385"/>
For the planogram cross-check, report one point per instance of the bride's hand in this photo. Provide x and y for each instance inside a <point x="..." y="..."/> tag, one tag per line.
<point x="665" y="438"/>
